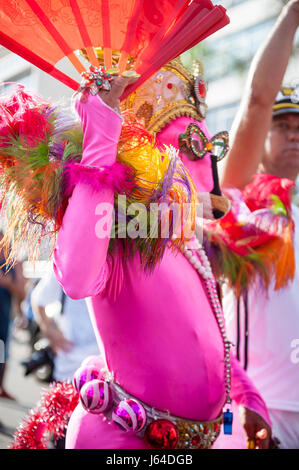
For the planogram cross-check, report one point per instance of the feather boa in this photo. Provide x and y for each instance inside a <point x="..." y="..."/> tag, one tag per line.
<point x="40" y="153"/>
<point x="254" y="241"/>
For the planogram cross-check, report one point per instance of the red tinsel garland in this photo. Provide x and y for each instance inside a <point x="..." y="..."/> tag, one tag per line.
<point x="50" y="416"/>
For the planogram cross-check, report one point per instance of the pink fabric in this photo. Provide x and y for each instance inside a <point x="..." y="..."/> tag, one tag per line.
<point x="117" y="176"/>
<point x="160" y="337"/>
<point x="201" y="171"/>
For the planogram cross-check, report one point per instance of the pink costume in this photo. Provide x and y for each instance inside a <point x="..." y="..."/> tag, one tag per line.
<point x="160" y="336"/>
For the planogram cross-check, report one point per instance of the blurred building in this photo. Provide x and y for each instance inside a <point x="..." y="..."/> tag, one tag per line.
<point x="227" y="54"/>
<point x="15" y="69"/>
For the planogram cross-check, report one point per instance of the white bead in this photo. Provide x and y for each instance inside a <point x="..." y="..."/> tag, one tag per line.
<point x="202" y="265"/>
<point x="198" y="265"/>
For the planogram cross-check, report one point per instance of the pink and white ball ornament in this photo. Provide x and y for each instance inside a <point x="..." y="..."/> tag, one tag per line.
<point x="130" y="415"/>
<point x="97" y="361"/>
<point x="85" y="374"/>
<point x="96" y="396"/>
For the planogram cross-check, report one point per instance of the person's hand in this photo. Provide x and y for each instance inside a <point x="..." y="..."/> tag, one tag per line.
<point x="58" y="342"/>
<point x="118" y="86"/>
<point x="257" y="429"/>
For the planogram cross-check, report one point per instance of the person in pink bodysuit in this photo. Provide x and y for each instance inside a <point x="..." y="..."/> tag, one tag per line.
<point x="160" y="336"/>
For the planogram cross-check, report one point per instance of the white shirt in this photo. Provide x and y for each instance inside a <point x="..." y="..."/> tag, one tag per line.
<point x="273" y="339"/>
<point x="74" y="323"/>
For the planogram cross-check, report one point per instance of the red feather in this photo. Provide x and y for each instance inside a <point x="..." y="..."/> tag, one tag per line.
<point x="21" y="115"/>
<point x="257" y="194"/>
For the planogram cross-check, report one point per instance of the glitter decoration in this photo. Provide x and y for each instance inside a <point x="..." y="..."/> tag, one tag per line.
<point x="197" y="149"/>
<point x="162" y="434"/>
<point x="96" y="396"/>
<point x="130" y="415"/>
<point x="159" y="78"/>
<point x="48" y="418"/>
<point x="200" y="89"/>
<point x="85" y="374"/>
<point x="96" y="79"/>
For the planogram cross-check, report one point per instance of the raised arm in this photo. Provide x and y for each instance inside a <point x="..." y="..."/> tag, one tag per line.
<point x="80" y="254"/>
<point x="253" y="119"/>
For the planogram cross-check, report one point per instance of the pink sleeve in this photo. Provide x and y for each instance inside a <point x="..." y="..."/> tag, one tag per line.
<point x="244" y="393"/>
<point x="80" y="253"/>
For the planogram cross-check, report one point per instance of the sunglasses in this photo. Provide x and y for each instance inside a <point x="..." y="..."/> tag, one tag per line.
<point x="196" y="145"/>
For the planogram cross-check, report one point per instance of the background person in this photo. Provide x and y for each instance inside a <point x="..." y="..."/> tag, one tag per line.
<point x="12" y="292"/>
<point x="266" y="139"/>
<point x="70" y="335"/>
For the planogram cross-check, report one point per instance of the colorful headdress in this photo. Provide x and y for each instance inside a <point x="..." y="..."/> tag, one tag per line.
<point x="254" y="241"/>
<point x="40" y="153"/>
<point x="170" y="93"/>
<point x="167" y="105"/>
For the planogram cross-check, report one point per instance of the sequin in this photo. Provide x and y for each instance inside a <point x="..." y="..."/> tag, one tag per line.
<point x="159" y="78"/>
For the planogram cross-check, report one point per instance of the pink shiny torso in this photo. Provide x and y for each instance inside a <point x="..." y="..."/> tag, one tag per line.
<point x="163" y="323"/>
<point x="160" y="336"/>
<point x="162" y="343"/>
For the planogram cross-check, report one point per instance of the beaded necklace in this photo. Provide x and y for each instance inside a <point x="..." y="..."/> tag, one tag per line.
<point x="203" y="267"/>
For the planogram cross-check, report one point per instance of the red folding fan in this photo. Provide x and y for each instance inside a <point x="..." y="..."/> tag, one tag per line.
<point x="141" y="34"/>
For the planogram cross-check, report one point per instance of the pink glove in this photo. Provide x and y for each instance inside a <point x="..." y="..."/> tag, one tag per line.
<point x="80" y="254"/>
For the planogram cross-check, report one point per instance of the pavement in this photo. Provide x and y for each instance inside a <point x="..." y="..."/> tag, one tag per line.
<point x="25" y="390"/>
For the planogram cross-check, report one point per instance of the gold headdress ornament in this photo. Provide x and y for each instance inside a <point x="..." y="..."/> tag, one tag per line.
<point x="170" y="93"/>
<point x="115" y="58"/>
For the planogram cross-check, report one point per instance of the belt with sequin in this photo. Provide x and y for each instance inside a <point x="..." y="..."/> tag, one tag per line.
<point x="160" y="429"/>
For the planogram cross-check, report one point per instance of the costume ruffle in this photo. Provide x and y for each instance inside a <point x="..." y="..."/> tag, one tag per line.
<point x="40" y="153"/>
<point x="253" y="242"/>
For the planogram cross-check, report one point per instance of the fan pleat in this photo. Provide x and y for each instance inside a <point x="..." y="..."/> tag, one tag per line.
<point x="39" y="62"/>
<point x="84" y="33"/>
<point x="64" y="46"/>
<point x="105" y="10"/>
<point x="149" y="33"/>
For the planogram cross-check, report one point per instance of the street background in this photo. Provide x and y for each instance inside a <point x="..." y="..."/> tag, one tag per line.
<point x="26" y="390"/>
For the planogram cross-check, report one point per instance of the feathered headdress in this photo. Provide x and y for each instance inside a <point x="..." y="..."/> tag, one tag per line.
<point x="40" y="153"/>
<point x="254" y="241"/>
